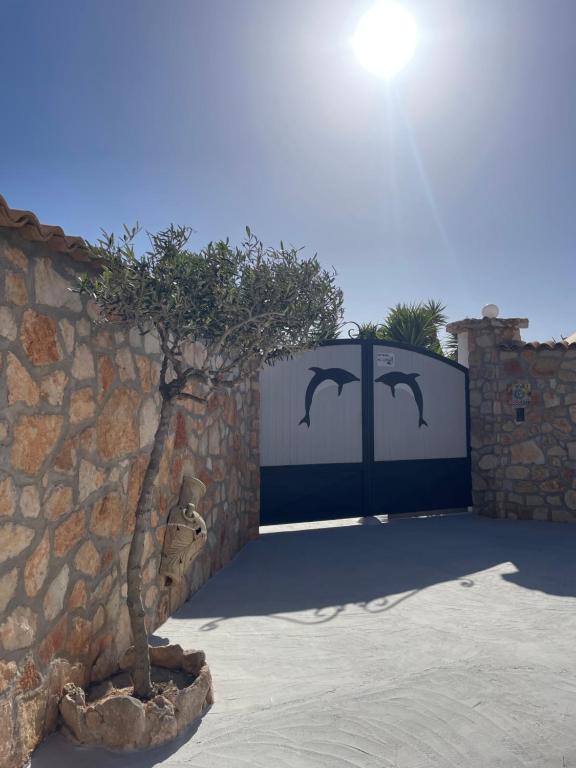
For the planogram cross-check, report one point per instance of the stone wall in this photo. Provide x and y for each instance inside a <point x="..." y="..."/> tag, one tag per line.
<point x="79" y="407"/>
<point x="521" y="469"/>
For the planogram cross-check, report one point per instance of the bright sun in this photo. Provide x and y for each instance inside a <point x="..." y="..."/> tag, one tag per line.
<point x="385" y="38"/>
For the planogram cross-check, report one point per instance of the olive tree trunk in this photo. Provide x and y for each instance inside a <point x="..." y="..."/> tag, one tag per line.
<point x="141" y="671"/>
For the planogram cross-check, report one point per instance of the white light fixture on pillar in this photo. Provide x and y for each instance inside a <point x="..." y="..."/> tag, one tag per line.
<point x="490" y="311"/>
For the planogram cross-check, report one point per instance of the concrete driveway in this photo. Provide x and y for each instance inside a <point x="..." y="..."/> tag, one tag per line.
<point x="439" y="642"/>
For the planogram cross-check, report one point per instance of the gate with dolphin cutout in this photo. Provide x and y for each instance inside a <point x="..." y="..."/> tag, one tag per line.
<point x="362" y="427"/>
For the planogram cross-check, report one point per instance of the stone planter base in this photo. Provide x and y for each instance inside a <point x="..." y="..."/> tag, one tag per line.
<point x="108" y="716"/>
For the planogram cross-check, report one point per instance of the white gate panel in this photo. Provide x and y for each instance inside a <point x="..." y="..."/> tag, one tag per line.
<point x="334" y="434"/>
<point x="419" y="406"/>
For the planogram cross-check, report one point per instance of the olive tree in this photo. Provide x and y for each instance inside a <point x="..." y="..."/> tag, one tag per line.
<point x="246" y="305"/>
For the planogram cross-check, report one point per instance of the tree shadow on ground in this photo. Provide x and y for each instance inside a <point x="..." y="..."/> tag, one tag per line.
<point x="377" y="567"/>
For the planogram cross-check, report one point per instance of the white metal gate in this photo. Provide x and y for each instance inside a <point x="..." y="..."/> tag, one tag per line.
<point x="359" y="427"/>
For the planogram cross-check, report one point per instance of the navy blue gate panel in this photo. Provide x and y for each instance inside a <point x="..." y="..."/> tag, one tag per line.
<point x="418" y="486"/>
<point x="363" y="427"/>
<point x="314" y="492"/>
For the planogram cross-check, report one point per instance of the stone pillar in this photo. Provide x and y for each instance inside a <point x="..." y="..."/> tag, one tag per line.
<point x="479" y="343"/>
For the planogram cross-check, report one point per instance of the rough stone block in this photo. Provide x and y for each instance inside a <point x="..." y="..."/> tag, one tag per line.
<point x="69" y="533"/>
<point x="53" y="386"/>
<point x="68" y="335"/>
<point x="144" y="372"/>
<point x="487" y="462"/>
<point x="54" y="290"/>
<point x="58" y="503"/>
<point x="18" y="630"/>
<point x="82" y="405"/>
<point x="78" y="638"/>
<point x="29" y="501"/>
<point x="527" y="452"/>
<point x="517" y="473"/>
<point x="38" y="337"/>
<point x="554" y="501"/>
<point x="20" y="385"/>
<point x="149" y="417"/>
<point x="65" y="461"/>
<point x="8" y="497"/>
<point x="15" y="289"/>
<point x="54" y="642"/>
<point x="8" y="327"/>
<point x="83" y="363"/>
<point x="31" y="711"/>
<point x="8" y="584"/>
<point x="106" y="518"/>
<point x="87" y="559"/>
<point x="7" y="742"/>
<point x="34" y="439"/>
<point x="117" y="428"/>
<point x="554" y="484"/>
<point x="118" y="722"/>
<point x="29" y="677"/>
<point x="36" y="567"/>
<point x="15" y="539"/>
<point x="54" y="597"/>
<point x="8" y="673"/>
<point x="78" y="596"/>
<point x="90" y="478"/>
<point x="125" y="364"/>
<point x="106" y="375"/>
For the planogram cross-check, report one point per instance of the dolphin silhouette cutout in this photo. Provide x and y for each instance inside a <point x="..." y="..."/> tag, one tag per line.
<point x="396" y="378"/>
<point x="338" y="375"/>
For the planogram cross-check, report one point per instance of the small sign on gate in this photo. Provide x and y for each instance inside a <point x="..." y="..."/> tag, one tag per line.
<point x="385" y="360"/>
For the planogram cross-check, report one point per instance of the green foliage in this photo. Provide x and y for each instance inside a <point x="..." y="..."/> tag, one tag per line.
<point x="417" y="324"/>
<point x="364" y="331"/>
<point x="451" y="346"/>
<point x="247" y="305"/>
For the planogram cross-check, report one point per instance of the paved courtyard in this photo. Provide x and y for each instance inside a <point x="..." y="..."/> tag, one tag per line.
<point x="443" y="642"/>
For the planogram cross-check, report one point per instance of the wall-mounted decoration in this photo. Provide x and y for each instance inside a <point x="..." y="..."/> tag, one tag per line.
<point x="337" y="376"/>
<point x="520" y="394"/>
<point x="406" y="381"/>
<point x="186" y="532"/>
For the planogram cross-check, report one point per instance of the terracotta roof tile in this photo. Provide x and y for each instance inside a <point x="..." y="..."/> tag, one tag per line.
<point x="539" y="345"/>
<point x="29" y="228"/>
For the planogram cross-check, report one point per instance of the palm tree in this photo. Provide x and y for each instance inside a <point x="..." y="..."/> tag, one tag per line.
<point x="417" y="324"/>
<point x="451" y="346"/>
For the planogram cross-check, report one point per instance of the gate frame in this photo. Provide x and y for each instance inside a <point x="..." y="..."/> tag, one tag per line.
<point x="367" y="464"/>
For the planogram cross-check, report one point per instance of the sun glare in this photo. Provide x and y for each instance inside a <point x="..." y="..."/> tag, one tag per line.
<point x="385" y="39"/>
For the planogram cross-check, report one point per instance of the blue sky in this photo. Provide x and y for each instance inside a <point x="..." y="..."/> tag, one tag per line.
<point x="456" y="181"/>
